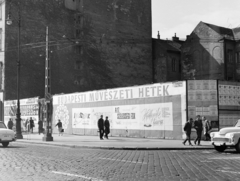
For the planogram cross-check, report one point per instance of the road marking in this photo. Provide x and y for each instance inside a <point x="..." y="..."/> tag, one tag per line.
<point x="122" y="160"/>
<point x="74" y="175"/>
<point x="224" y="158"/>
<point x="226" y="171"/>
<point x="206" y="161"/>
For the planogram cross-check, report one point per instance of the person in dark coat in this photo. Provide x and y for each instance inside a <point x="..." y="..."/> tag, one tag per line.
<point x="40" y="127"/>
<point x="60" y="127"/>
<point x="198" y="125"/>
<point x="31" y="122"/>
<point x="106" y="127"/>
<point x="10" y="124"/>
<point x="187" y="128"/>
<point x="101" y="127"/>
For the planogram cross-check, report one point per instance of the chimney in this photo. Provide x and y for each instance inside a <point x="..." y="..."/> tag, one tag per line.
<point x="187" y="37"/>
<point x="158" y="36"/>
<point x="175" y="38"/>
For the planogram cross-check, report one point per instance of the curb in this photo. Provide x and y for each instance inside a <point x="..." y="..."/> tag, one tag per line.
<point x="119" y="148"/>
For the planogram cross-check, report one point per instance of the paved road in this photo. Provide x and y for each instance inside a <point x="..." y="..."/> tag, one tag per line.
<point x="28" y="162"/>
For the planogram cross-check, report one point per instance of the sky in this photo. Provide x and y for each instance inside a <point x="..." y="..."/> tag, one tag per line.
<point x="182" y="16"/>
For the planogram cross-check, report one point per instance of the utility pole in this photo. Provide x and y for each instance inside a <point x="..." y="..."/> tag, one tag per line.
<point x="48" y="97"/>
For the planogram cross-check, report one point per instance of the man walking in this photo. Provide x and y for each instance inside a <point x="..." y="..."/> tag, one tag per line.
<point x="106" y="127"/>
<point x="187" y="128"/>
<point x="60" y="129"/>
<point x="31" y="122"/>
<point x="101" y="127"/>
<point x="10" y="124"/>
<point x="206" y="128"/>
<point x="199" y="127"/>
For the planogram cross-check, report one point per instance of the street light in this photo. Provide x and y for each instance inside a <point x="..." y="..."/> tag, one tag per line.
<point x="18" y="114"/>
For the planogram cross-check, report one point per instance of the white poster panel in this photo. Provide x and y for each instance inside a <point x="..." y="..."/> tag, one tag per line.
<point x="126" y="117"/>
<point x="157" y="116"/>
<point x="88" y="117"/>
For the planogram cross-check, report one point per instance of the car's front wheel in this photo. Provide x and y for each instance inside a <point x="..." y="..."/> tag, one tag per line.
<point x="220" y="148"/>
<point x="238" y="147"/>
<point x="5" y="144"/>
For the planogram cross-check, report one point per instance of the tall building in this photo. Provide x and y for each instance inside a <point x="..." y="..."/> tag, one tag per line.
<point x="93" y="44"/>
<point x="211" y="52"/>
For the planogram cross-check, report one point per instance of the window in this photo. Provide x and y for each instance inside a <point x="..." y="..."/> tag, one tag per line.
<point x="1" y="10"/>
<point x="78" y="65"/>
<point x="237" y="57"/>
<point x="76" y="80"/>
<point x="230" y="56"/>
<point x="0" y="39"/>
<point x="174" y="65"/>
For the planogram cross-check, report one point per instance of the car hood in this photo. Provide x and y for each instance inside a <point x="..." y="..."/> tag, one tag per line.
<point x="6" y="131"/>
<point x="224" y="131"/>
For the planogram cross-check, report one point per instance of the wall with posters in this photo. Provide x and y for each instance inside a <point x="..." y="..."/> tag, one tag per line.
<point x="229" y="103"/>
<point x="156" y="110"/>
<point x="203" y="100"/>
<point x="28" y="107"/>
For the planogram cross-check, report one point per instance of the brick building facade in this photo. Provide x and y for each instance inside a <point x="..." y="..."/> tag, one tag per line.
<point x="93" y="44"/>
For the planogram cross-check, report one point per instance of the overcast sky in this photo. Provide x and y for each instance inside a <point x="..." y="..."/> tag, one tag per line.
<point x="182" y="16"/>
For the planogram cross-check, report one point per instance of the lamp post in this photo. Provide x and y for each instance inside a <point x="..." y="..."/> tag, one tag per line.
<point x="18" y="114"/>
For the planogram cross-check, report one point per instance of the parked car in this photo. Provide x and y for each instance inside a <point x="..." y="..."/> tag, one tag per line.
<point x="6" y="135"/>
<point x="228" y="137"/>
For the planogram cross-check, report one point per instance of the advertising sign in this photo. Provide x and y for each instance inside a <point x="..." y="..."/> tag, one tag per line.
<point x="145" y="108"/>
<point x="229" y="94"/>
<point x="202" y="99"/>
<point x="28" y="108"/>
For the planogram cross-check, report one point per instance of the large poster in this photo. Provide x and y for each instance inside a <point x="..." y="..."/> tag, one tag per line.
<point x="155" y="107"/>
<point x="202" y="99"/>
<point x="147" y="116"/>
<point x="28" y="108"/>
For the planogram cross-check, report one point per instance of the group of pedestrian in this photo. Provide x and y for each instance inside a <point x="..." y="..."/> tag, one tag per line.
<point x="103" y="127"/>
<point x="200" y="125"/>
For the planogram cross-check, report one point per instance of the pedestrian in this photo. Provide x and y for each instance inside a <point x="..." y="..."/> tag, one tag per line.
<point x="106" y="127"/>
<point x="101" y="127"/>
<point x="187" y="128"/>
<point x="10" y="124"/>
<point x="59" y="125"/>
<point x="206" y="128"/>
<point x="31" y="122"/>
<point x="40" y="127"/>
<point x="199" y="128"/>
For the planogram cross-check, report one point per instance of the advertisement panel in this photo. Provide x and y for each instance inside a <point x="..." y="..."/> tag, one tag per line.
<point x="202" y="99"/>
<point x="28" y="108"/>
<point x="229" y="95"/>
<point x="137" y="110"/>
<point x="229" y="103"/>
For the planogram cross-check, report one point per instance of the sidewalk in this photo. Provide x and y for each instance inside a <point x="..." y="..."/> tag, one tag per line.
<point x="124" y="143"/>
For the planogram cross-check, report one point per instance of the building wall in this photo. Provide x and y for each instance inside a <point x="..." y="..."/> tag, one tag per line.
<point x="107" y="44"/>
<point x="163" y="56"/>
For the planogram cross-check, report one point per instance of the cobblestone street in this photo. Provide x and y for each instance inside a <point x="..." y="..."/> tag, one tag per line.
<point x="28" y="162"/>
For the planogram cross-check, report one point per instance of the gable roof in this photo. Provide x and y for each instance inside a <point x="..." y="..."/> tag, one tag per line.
<point x="220" y="30"/>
